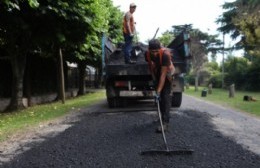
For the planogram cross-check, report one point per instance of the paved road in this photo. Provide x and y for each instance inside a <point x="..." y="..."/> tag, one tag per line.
<point x="102" y="138"/>
<point x="241" y="127"/>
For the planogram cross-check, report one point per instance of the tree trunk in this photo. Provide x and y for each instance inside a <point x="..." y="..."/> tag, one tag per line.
<point x="210" y="88"/>
<point x="27" y="83"/>
<point x="197" y="81"/>
<point x="58" y="78"/>
<point x="18" y="63"/>
<point x="82" y="73"/>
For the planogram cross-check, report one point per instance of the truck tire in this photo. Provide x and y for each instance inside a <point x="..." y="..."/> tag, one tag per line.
<point x="116" y="102"/>
<point x="176" y="99"/>
<point x="113" y="102"/>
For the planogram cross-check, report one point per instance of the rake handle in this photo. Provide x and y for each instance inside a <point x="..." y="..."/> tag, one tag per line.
<point x="160" y="118"/>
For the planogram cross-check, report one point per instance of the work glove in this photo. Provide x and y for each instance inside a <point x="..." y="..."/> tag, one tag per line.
<point x="157" y="97"/>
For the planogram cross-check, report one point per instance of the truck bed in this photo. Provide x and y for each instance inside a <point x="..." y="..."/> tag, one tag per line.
<point x="115" y="63"/>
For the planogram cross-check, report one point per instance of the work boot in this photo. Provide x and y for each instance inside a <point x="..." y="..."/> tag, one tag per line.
<point x="165" y="127"/>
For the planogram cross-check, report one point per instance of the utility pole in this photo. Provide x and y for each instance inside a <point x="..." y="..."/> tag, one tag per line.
<point x="62" y="85"/>
<point x="223" y="58"/>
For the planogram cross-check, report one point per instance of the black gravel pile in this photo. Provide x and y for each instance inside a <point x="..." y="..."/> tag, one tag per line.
<point x="138" y="55"/>
<point x="105" y="139"/>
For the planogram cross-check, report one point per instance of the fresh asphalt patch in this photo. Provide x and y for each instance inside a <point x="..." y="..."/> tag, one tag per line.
<point x="115" y="138"/>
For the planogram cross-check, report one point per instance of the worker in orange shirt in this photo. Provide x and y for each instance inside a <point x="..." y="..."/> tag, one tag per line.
<point x="128" y="32"/>
<point x="162" y="70"/>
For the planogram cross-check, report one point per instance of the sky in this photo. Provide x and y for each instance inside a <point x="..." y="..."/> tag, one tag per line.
<point x="163" y="14"/>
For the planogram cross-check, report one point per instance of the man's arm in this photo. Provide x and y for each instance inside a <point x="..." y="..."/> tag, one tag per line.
<point x="164" y="70"/>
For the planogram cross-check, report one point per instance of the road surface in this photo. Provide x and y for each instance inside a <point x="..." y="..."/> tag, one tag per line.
<point x="98" y="137"/>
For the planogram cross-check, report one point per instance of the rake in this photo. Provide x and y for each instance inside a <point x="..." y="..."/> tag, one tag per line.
<point x="167" y="151"/>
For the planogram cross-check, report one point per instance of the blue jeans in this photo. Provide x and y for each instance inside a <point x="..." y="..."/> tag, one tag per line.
<point x="127" y="47"/>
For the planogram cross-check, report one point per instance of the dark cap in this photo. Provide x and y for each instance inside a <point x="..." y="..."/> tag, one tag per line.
<point x="154" y="44"/>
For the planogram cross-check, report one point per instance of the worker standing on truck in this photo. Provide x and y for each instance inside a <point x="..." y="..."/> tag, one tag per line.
<point x="160" y="64"/>
<point x="128" y="32"/>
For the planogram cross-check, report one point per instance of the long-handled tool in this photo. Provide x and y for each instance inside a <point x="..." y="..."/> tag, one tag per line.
<point x="167" y="151"/>
<point x="155" y="33"/>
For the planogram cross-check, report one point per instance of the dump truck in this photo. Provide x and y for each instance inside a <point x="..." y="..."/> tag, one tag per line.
<point x="124" y="82"/>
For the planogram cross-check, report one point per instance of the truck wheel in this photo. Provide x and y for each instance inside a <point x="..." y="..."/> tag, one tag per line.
<point x="116" y="102"/>
<point x="176" y="99"/>
<point x="113" y="102"/>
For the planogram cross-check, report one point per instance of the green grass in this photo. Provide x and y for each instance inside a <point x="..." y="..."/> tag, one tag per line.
<point x="221" y="96"/>
<point x="10" y="123"/>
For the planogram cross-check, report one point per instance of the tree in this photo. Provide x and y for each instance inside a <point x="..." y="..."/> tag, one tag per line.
<point x="107" y="20"/>
<point x="166" y="38"/>
<point x="45" y="28"/>
<point x="253" y="76"/>
<point x="16" y="37"/>
<point x="214" y="74"/>
<point x="237" y="68"/>
<point x="201" y="45"/>
<point x="242" y="19"/>
<point x="248" y="22"/>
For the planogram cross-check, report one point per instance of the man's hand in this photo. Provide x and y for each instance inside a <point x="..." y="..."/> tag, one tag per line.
<point x="131" y="35"/>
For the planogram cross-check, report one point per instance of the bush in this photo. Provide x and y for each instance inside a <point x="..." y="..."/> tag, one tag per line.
<point x="216" y="80"/>
<point x="253" y="76"/>
<point x="189" y="79"/>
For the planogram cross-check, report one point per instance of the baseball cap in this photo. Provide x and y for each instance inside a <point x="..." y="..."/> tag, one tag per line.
<point x="132" y="5"/>
<point x="154" y="44"/>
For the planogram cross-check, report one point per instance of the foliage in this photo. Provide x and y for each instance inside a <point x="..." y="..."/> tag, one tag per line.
<point x="237" y="69"/>
<point x="166" y="38"/>
<point x="199" y="53"/>
<point x="15" y="4"/>
<point x="202" y="44"/>
<point x="253" y="76"/>
<point x="215" y="76"/>
<point x="242" y="19"/>
<point x="216" y="80"/>
<point x="115" y="24"/>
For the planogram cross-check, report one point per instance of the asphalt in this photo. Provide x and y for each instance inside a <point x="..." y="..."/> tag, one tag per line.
<point x="115" y="138"/>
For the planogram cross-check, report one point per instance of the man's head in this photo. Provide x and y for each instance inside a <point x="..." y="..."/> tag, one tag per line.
<point x="154" y="44"/>
<point x="132" y="7"/>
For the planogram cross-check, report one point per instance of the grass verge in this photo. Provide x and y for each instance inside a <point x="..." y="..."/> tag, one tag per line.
<point x="221" y="96"/>
<point x="10" y="123"/>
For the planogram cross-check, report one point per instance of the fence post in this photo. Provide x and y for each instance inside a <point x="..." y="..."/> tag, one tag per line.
<point x="210" y="88"/>
<point x="232" y="90"/>
<point x="187" y="85"/>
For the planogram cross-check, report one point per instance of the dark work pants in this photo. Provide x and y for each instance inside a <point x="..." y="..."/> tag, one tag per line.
<point x="127" y="47"/>
<point x="165" y="102"/>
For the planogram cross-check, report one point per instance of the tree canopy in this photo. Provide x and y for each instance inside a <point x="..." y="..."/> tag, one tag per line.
<point x="242" y="19"/>
<point x="46" y="26"/>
